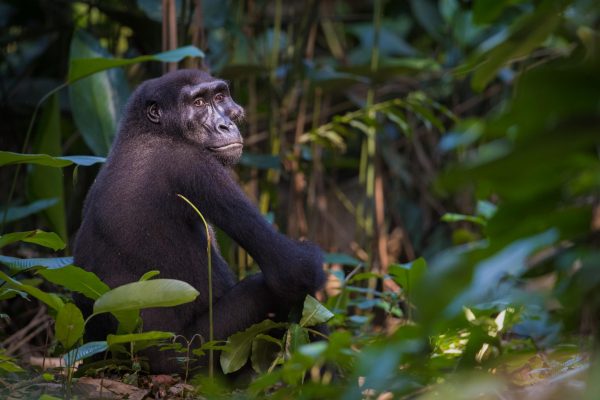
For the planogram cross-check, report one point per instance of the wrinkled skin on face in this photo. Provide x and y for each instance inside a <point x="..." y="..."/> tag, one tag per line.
<point x="207" y="116"/>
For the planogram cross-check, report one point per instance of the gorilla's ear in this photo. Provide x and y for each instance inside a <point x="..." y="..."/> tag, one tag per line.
<point x="153" y="113"/>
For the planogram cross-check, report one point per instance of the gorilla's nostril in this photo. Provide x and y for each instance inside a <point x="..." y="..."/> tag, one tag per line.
<point x="223" y="128"/>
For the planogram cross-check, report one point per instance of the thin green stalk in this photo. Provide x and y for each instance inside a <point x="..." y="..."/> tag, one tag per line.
<point x="371" y="146"/>
<point x="13" y="185"/>
<point x="275" y="141"/>
<point x="210" y="295"/>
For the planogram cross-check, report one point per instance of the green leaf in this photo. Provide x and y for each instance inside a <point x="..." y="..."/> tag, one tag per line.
<point x="295" y="337"/>
<point x="10" y="158"/>
<point x="145" y="294"/>
<point x="82" y="67"/>
<point x="452" y="217"/>
<point x="408" y="275"/>
<point x="138" y="337"/>
<point x="236" y="353"/>
<point x="265" y="349"/>
<point x="19" y="212"/>
<point x="46" y="239"/>
<point x="486" y="11"/>
<point x="21" y="264"/>
<point x="528" y="33"/>
<point x="140" y="341"/>
<point x="46" y="182"/>
<point x="50" y="299"/>
<point x="77" y="280"/>
<point x="7" y="363"/>
<point x="129" y="320"/>
<point x="69" y="325"/>
<point x="97" y="100"/>
<point x="341" y="258"/>
<point x="49" y="397"/>
<point x="85" y="351"/>
<point x="314" y="313"/>
<point x="149" y="275"/>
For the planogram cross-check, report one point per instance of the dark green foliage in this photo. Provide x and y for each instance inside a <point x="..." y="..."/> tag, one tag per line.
<point x="480" y="118"/>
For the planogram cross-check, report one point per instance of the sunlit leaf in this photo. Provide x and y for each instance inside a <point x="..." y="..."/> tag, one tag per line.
<point x="314" y="313"/>
<point x="149" y="275"/>
<point x="145" y="294"/>
<point x="46" y="239"/>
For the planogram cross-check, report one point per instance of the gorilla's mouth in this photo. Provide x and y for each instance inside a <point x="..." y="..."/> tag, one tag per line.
<point x="227" y="147"/>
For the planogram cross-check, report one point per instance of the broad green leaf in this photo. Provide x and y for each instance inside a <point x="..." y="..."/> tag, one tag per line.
<point x="82" y="67"/>
<point x="47" y="182"/>
<point x="314" y="313"/>
<point x="50" y="299"/>
<point x="46" y="239"/>
<point x="20" y="264"/>
<point x="77" y="280"/>
<point x="85" y="351"/>
<point x="341" y="258"/>
<point x="145" y="294"/>
<point x="265" y="349"/>
<point x="69" y="325"/>
<point x="97" y="100"/>
<point x="9" y="158"/>
<point x="408" y="275"/>
<point x="236" y="353"/>
<point x="19" y="212"/>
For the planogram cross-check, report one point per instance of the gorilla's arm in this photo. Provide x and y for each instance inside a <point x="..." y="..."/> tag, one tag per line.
<point x="249" y="302"/>
<point x="291" y="269"/>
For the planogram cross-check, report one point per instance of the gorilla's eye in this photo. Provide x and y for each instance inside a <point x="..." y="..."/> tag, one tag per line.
<point x="219" y="97"/>
<point x="199" y="102"/>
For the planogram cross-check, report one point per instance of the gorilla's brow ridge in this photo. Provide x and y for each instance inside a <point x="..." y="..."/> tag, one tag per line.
<point x="207" y="87"/>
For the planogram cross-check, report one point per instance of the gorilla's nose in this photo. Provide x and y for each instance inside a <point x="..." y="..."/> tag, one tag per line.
<point x="223" y="128"/>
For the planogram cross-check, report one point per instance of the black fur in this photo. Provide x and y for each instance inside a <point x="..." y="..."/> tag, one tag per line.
<point x="133" y="220"/>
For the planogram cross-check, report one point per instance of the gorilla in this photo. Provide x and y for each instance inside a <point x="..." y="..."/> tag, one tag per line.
<point x="178" y="135"/>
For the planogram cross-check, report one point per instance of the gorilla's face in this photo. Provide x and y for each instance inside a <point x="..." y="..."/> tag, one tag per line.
<point x="207" y="115"/>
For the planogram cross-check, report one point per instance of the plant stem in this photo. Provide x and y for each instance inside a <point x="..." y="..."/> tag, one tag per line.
<point x="210" y="295"/>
